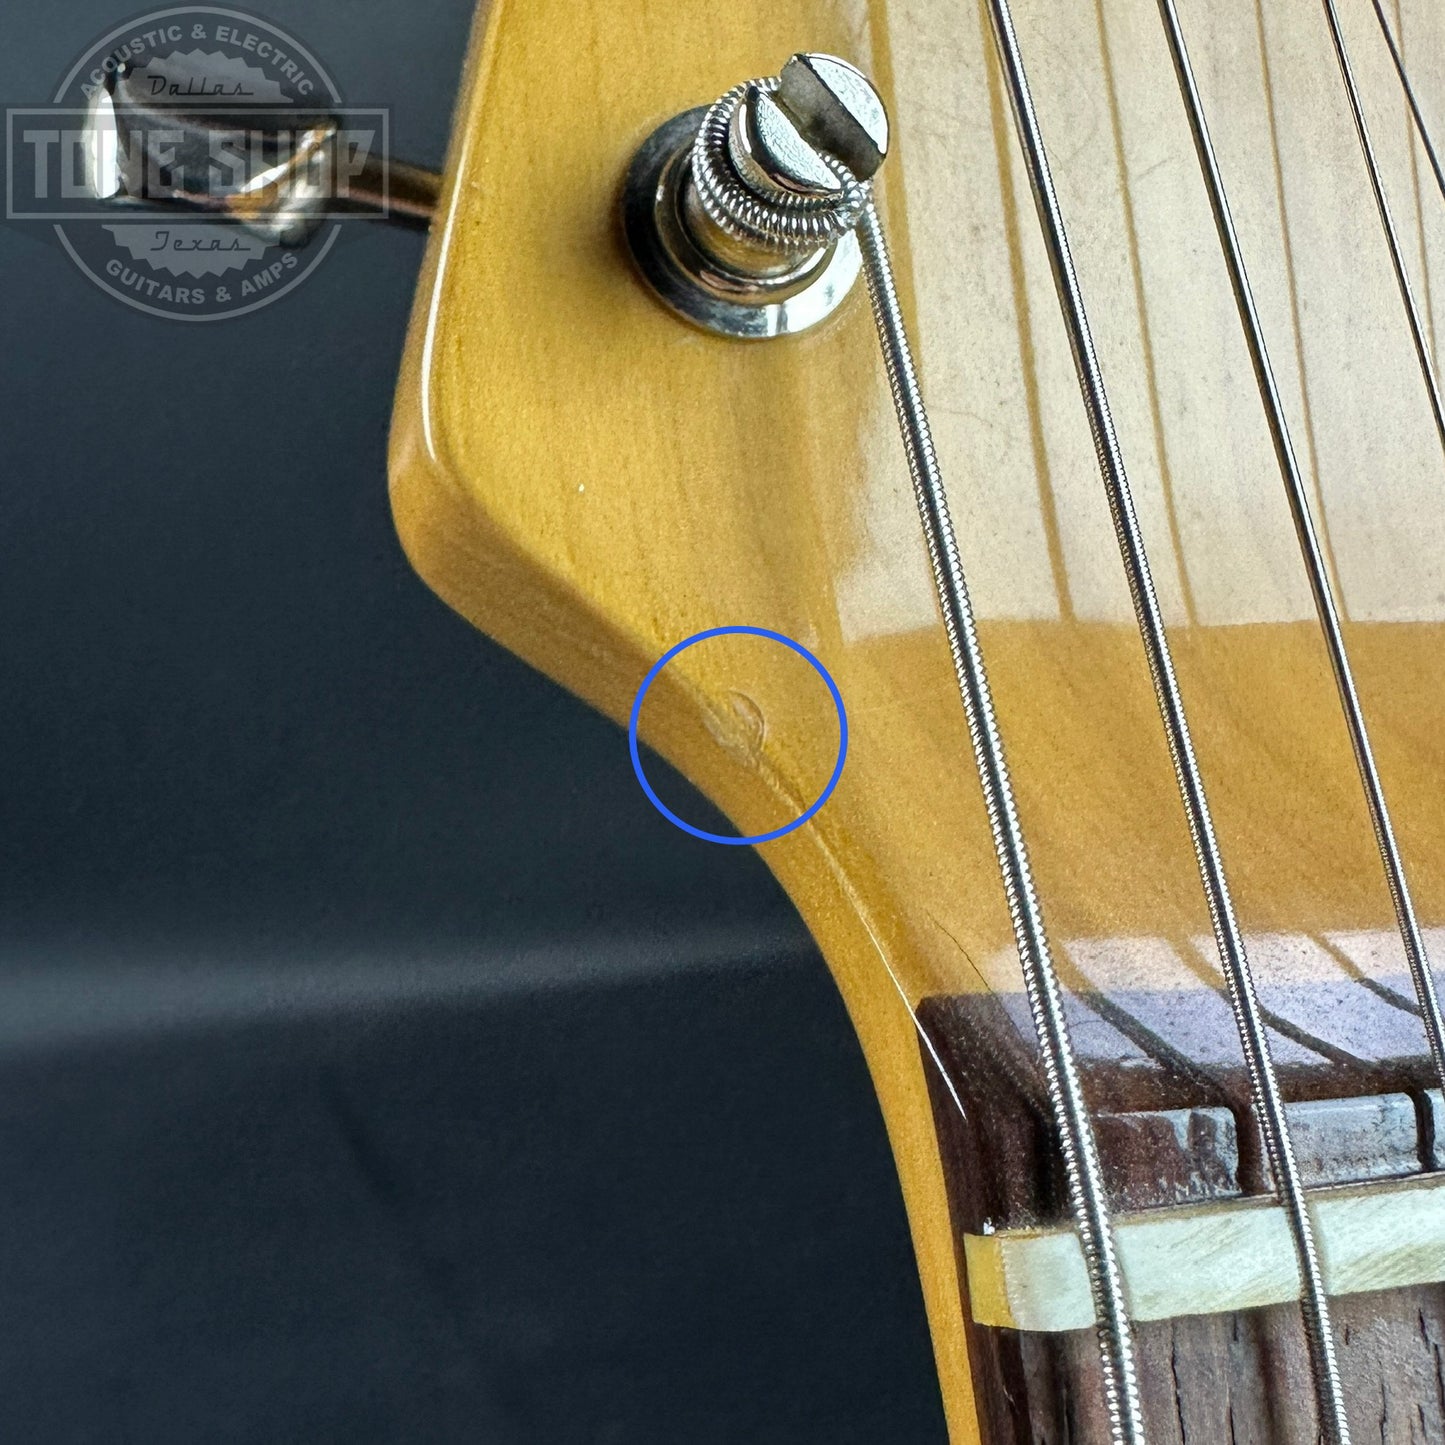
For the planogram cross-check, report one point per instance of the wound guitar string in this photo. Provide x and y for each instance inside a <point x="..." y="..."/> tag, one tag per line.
<point x="837" y="200"/>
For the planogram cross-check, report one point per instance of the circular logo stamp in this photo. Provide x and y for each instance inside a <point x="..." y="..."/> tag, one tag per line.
<point x="193" y="162"/>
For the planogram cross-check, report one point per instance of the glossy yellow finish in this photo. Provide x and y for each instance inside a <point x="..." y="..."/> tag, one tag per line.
<point x="590" y="481"/>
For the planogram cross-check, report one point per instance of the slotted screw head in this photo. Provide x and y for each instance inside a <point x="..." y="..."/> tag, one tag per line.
<point x="835" y="108"/>
<point x="770" y="152"/>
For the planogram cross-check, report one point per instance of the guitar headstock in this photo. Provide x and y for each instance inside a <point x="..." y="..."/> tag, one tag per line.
<point x="591" y="481"/>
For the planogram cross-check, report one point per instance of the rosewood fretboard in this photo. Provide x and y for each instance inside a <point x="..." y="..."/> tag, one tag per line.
<point x="1175" y="1128"/>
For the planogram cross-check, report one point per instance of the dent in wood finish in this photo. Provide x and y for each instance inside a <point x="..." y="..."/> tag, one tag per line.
<point x="590" y="482"/>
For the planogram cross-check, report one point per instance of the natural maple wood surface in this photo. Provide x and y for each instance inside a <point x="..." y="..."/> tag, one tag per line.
<point x="590" y="481"/>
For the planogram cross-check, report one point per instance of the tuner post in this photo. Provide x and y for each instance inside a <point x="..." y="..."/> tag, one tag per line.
<point x="741" y="215"/>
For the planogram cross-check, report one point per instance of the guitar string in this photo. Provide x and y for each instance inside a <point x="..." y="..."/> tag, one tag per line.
<point x="1326" y="608"/>
<point x="1087" y="1192"/>
<point x="1387" y="221"/>
<point x="778" y="219"/>
<point x="1418" y="115"/>
<point x="1264" y="1081"/>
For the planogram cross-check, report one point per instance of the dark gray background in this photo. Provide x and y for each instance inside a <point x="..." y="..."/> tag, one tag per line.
<point x="375" y="1064"/>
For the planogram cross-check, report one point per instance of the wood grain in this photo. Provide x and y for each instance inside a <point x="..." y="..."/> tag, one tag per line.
<point x="590" y="481"/>
<point x="1238" y="1379"/>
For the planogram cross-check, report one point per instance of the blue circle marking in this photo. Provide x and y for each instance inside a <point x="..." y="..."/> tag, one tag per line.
<point x="724" y="837"/>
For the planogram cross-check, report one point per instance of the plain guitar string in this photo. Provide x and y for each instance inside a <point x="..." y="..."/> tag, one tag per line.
<point x="1326" y="607"/>
<point x="1314" y="1303"/>
<point x="1264" y="1081"/>
<point x="1387" y="221"/>
<point x="1120" y="1379"/>
<point x="1397" y="55"/>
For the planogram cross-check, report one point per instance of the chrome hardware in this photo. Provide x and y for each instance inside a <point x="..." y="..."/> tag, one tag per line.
<point x="279" y="175"/>
<point x="838" y="110"/>
<point x="741" y="215"/>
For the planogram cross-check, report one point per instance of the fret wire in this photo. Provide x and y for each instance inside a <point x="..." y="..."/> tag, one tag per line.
<point x="1417" y="114"/>
<point x="1387" y="222"/>
<point x="1087" y="1192"/>
<point x="1269" y="1104"/>
<point x="1407" y="921"/>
